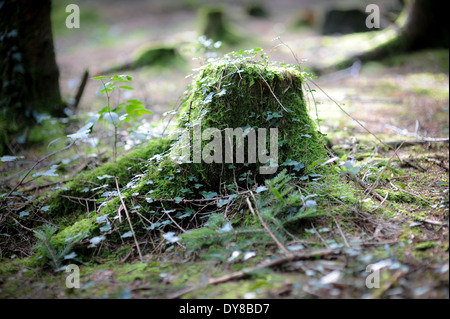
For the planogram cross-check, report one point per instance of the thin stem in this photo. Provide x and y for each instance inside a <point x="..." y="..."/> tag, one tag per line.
<point x="129" y="220"/>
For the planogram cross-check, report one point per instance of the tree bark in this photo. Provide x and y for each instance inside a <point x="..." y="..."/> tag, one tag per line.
<point x="29" y="73"/>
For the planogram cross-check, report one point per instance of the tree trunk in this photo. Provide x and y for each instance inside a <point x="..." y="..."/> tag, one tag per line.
<point x="425" y="27"/>
<point x="29" y="73"/>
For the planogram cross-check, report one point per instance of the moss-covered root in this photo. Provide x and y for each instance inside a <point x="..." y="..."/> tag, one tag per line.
<point x="165" y="56"/>
<point x="160" y="56"/>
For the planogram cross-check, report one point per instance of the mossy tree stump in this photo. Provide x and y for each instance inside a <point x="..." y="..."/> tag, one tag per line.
<point x="226" y="94"/>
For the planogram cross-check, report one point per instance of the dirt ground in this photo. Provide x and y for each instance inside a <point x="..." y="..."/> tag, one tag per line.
<point x="402" y="98"/>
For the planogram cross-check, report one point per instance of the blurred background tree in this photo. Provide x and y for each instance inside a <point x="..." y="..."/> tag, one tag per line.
<point x="29" y="73"/>
<point x="424" y="28"/>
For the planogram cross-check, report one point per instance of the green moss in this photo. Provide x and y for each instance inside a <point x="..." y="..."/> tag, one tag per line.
<point x="45" y="132"/>
<point x="85" y="227"/>
<point x="139" y="270"/>
<point x="425" y="245"/>
<point x="437" y="59"/>
<point x="258" y="285"/>
<point x="86" y="185"/>
<point x="9" y="267"/>
<point x="398" y="196"/>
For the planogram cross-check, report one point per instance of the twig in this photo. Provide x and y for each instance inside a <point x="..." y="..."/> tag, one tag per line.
<point x="266" y="264"/>
<point x="342" y="234"/>
<point x="36" y="164"/>
<point x="275" y="239"/>
<point x="271" y="91"/>
<point x="348" y="114"/>
<point x="382" y="202"/>
<point x="433" y="222"/>
<point x="28" y="173"/>
<point x="81" y="89"/>
<point x="170" y="217"/>
<point x="129" y="220"/>
<point x="320" y="237"/>
<point x="368" y="189"/>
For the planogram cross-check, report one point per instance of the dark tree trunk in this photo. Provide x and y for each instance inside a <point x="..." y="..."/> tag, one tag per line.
<point x="426" y="27"/>
<point x="29" y="73"/>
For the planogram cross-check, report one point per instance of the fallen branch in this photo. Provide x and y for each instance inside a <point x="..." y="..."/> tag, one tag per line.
<point x="400" y="144"/>
<point x="266" y="264"/>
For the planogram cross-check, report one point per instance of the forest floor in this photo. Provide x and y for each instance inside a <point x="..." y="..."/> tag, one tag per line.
<point x="403" y="100"/>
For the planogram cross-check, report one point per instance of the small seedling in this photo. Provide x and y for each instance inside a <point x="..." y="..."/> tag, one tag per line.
<point x="132" y="108"/>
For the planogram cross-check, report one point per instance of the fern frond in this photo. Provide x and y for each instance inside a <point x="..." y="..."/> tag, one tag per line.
<point x="55" y="256"/>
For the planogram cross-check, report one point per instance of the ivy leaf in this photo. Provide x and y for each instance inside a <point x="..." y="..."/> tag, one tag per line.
<point x="310" y="203"/>
<point x="104" y="176"/>
<point x="208" y="98"/>
<point x="50" y="172"/>
<point x="96" y="240"/>
<point x="111" y="117"/>
<point x="297" y="166"/>
<point x="107" y="227"/>
<point x="23" y="214"/>
<point x="209" y="195"/>
<point x="127" y="234"/>
<point x="261" y="189"/>
<point x="70" y="256"/>
<point x="83" y="132"/>
<point x="226" y="228"/>
<point x="221" y="93"/>
<point x="171" y="237"/>
<point x="223" y="201"/>
<point x="8" y="158"/>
